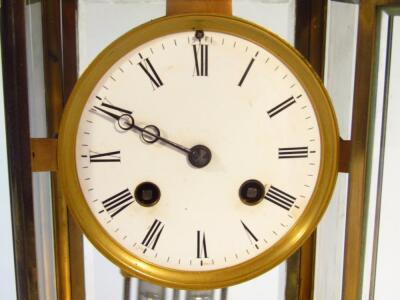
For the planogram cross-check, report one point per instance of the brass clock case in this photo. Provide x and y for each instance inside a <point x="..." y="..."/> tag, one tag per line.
<point x="294" y="238"/>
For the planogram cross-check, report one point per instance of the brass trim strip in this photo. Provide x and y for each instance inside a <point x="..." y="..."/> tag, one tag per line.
<point x="43" y="154"/>
<point x="344" y="159"/>
<point x="175" y="7"/>
<point x="16" y="113"/>
<point x="310" y="41"/>
<point x="60" y="64"/>
<point x="347" y="1"/>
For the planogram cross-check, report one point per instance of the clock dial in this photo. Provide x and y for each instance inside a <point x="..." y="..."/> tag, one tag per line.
<point x="198" y="150"/>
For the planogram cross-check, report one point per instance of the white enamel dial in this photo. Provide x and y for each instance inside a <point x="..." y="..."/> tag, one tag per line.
<point x="223" y="92"/>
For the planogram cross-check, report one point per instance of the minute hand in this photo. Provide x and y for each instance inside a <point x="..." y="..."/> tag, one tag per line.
<point x="199" y="156"/>
<point x="127" y="119"/>
<point x="159" y="137"/>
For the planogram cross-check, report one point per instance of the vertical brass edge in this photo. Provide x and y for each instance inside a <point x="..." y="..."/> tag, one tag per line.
<point x="16" y="113"/>
<point x="352" y="264"/>
<point x="345" y="152"/>
<point x="310" y="33"/>
<point x="43" y="154"/>
<point x="60" y="75"/>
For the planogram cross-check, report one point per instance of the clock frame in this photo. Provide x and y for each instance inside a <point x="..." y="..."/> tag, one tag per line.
<point x="267" y="259"/>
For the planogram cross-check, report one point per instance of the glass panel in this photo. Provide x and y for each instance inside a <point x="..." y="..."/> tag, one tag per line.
<point x="387" y="262"/>
<point x="275" y="15"/>
<point x="40" y="181"/>
<point x="375" y="156"/>
<point x="382" y="248"/>
<point x="7" y="290"/>
<point x="340" y="58"/>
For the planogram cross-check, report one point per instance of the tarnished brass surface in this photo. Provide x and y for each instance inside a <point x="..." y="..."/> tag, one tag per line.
<point x="269" y="258"/>
<point x="43" y="154"/>
<point x="16" y="124"/>
<point x="344" y="159"/>
<point x="175" y="7"/>
<point x="59" y="56"/>
<point x="310" y="35"/>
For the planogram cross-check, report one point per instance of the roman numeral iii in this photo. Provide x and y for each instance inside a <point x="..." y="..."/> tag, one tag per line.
<point x="201" y="59"/>
<point x="149" y="70"/>
<point x="113" y="156"/>
<point x="280" y="198"/>
<point x="201" y="245"/>
<point x="280" y="107"/>
<point x="294" y="152"/>
<point x="153" y="235"/>
<point x="118" y="202"/>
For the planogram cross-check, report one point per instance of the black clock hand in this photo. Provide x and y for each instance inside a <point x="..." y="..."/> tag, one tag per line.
<point x="116" y="117"/>
<point x="199" y="156"/>
<point x="127" y="122"/>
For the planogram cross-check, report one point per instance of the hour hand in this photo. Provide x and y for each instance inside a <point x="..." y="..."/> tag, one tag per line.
<point x="115" y="108"/>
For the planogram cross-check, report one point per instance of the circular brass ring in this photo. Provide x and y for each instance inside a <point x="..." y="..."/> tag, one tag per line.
<point x="294" y="238"/>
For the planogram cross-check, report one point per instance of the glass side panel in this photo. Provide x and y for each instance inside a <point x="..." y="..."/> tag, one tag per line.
<point x="381" y="246"/>
<point x="41" y="180"/>
<point x="275" y="15"/>
<point x="340" y="59"/>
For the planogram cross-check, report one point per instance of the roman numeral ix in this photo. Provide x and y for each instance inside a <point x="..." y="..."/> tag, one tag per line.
<point x="153" y="235"/>
<point x="280" y="198"/>
<point x="149" y="70"/>
<point x="201" y="245"/>
<point x="201" y="59"/>
<point x="294" y="152"/>
<point x="117" y="203"/>
<point x="113" y="156"/>
<point x="280" y="107"/>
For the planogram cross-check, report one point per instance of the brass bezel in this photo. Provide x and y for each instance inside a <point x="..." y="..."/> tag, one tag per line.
<point x="206" y="279"/>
